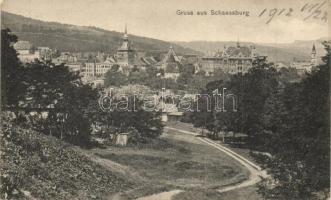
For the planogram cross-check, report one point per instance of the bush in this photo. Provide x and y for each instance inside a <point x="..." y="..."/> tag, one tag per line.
<point x="49" y="168"/>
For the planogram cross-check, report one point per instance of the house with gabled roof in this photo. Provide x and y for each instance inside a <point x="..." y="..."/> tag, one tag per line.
<point x="170" y="64"/>
<point x="232" y="60"/>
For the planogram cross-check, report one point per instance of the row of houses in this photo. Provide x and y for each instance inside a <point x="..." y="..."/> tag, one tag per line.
<point x="231" y="60"/>
<point x="29" y="53"/>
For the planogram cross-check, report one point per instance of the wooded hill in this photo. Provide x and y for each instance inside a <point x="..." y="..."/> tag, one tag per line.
<point x="65" y="37"/>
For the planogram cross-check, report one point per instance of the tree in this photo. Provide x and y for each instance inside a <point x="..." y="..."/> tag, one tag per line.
<point x="186" y="73"/>
<point x="288" y="75"/>
<point x="299" y="143"/>
<point x="142" y="124"/>
<point x="138" y="77"/>
<point x="219" y="74"/>
<point x="57" y="96"/>
<point x="55" y="90"/>
<point x="253" y="89"/>
<point x="12" y="71"/>
<point x="115" y="78"/>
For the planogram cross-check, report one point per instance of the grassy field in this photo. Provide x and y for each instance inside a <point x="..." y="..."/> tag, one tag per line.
<point x="174" y="161"/>
<point x="248" y="193"/>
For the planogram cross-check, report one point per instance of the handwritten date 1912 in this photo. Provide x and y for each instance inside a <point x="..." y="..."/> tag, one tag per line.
<point x="309" y="10"/>
<point x="275" y="11"/>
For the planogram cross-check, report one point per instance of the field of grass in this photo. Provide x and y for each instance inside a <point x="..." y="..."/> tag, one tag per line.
<point x="175" y="161"/>
<point x="184" y="126"/>
<point x="248" y="193"/>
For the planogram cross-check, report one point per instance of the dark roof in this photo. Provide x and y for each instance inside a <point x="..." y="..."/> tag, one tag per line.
<point x="172" y="68"/>
<point x="190" y="60"/>
<point x="149" y="60"/>
<point x="23" y="45"/>
<point x="170" y="57"/>
<point x="139" y="62"/>
<point x="241" y="51"/>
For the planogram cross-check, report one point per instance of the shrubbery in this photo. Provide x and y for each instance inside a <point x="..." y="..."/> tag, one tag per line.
<point x="49" y="168"/>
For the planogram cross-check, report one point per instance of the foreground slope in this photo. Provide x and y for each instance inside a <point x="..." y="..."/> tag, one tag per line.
<point x="34" y="165"/>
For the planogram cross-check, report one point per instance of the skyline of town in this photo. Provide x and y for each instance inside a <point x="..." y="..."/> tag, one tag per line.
<point x="143" y="20"/>
<point x="172" y="100"/>
<point x="236" y="59"/>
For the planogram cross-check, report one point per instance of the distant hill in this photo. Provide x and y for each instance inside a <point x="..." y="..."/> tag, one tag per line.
<point x="298" y="50"/>
<point x="65" y="37"/>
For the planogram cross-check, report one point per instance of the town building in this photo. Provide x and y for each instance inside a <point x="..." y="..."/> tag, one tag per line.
<point x="28" y="53"/>
<point x="98" y="68"/>
<point x="170" y="64"/>
<point x="24" y="47"/>
<point x="70" y="60"/>
<point x="126" y="58"/>
<point x="192" y="59"/>
<point x="45" y="53"/>
<point x="65" y="57"/>
<point x="232" y="60"/>
<point x="125" y="55"/>
<point x="304" y="67"/>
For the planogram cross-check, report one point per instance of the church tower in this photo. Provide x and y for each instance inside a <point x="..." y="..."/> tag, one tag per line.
<point x="313" y="58"/>
<point x="125" y="54"/>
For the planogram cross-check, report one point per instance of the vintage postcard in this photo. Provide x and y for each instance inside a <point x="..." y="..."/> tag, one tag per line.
<point x="165" y="100"/>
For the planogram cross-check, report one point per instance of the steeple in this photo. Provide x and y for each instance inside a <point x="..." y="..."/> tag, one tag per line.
<point x="313" y="58"/>
<point x="313" y="51"/>
<point x="125" y="54"/>
<point x="238" y="45"/>
<point x="125" y="37"/>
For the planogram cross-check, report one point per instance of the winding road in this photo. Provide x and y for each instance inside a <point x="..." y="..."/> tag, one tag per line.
<point x="256" y="173"/>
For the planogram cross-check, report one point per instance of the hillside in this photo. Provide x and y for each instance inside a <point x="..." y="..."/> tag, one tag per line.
<point x="38" y="166"/>
<point x="65" y="37"/>
<point x="299" y="50"/>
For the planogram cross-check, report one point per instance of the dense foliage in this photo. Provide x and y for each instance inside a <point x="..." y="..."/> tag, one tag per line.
<point x="284" y="116"/>
<point x="35" y="165"/>
<point x="12" y="87"/>
<point x="51" y="98"/>
<point x="297" y="126"/>
<point x="128" y="113"/>
<point x="54" y="100"/>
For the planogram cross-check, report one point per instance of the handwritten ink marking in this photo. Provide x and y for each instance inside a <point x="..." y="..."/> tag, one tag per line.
<point x="309" y="6"/>
<point x="275" y="11"/>
<point x="281" y="11"/>
<point x="290" y="10"/>
<point x="317" y="11"/>
<point x="272" y="14"/>
<point x="310" y="11"/>
<point x="262" y="12"/>
<point x="325" y="17"/>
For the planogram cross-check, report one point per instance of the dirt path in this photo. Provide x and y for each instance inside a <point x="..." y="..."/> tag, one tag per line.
<point x="162" y="195"/>
<point x="256" y="173"/>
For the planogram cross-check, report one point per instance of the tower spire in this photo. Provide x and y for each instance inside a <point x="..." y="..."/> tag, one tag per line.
<point x="125" y="37"/>
<point x="238" y="45"/>
<point x="313" y="57"/>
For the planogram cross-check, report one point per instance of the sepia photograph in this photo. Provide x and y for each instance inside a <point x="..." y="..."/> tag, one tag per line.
<point x="165" y="100"/>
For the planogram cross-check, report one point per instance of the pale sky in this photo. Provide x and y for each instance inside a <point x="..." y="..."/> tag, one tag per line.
<point x="158" y="18"/>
